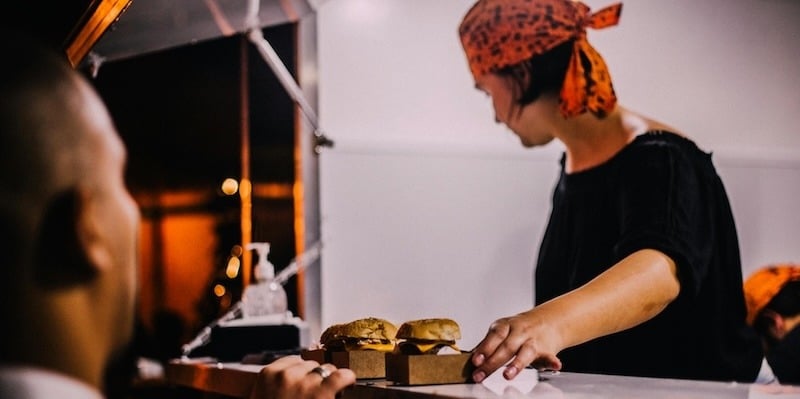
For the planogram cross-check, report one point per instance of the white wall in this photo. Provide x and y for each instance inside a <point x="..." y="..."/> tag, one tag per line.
<point x="428" y="208"/>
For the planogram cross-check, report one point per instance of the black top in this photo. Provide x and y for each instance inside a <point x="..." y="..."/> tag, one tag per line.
<point x="784" y="358"/>
<point x="659" y="192"/>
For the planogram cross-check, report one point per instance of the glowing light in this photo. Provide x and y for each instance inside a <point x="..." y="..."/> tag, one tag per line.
<point x="245" y="189"/>
<point x="230" y="186"/>
<point x="233" y="267"/>
<point x="219" y="290"/>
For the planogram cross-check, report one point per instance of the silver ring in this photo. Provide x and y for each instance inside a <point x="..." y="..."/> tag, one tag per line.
<point x="322" y="371"/>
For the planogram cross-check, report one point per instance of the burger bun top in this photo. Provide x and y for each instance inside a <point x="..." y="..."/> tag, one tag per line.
<point x="371" y="328"/>
<point x="433" y="329"/>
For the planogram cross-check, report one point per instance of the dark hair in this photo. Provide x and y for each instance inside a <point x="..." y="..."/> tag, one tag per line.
<point x="786" y="303"/>
<point x="540" y="74"/>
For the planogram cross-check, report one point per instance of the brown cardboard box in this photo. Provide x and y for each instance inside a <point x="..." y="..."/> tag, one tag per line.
<point x="429" y="369"/>
<point x="318" y="355"/>
<point x="366" y="364"/>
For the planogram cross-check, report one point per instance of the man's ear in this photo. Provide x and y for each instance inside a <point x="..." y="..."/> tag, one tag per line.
<point x="67" y="245"/>
<point x="777" y="326"/>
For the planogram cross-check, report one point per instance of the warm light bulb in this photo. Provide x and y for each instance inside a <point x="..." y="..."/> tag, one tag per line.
<point x="233" y="267"/>
<point x="230" y="186"/>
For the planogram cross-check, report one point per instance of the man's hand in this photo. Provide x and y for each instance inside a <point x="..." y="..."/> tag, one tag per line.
<point x="291" y="377"/>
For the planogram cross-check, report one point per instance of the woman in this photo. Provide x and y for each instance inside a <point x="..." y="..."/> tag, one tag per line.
<point x="638" y="272"/>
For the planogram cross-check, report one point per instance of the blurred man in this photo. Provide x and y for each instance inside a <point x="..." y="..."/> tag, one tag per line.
<point x="68" y="237"/>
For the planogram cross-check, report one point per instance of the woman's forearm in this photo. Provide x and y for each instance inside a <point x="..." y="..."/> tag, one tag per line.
<point x="629" y="293"/>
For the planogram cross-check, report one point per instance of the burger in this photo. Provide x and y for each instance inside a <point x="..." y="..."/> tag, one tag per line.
<point x="369" y="333"/>
<point x="427" y="336"/>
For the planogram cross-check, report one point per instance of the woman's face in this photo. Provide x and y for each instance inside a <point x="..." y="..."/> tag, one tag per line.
<point x="531" y="122"/>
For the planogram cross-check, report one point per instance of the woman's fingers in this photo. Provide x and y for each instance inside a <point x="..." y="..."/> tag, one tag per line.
<point x="490" y="353"/>
<point x="514" y="342"/>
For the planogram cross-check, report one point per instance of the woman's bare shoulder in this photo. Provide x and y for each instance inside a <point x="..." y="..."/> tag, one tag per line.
<point x="640" y="124"/>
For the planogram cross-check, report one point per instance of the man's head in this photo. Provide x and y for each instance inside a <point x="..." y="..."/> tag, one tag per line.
<point x="772" y="295"/>
<point x="68" y="226"/>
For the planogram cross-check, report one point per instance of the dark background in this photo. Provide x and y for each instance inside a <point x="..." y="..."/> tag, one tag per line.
<point x="179" y="113"/>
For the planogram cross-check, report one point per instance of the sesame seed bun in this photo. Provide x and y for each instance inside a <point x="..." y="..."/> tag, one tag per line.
<point x="435" y="329"/>
<point x="366" y="333"/>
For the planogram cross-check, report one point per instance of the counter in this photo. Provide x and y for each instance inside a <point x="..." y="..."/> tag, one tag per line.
<point x="236" y="379"/>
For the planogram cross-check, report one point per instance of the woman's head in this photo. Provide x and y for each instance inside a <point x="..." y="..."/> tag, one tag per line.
<point x="539" y="75"/>
<point x="541" y="45"/>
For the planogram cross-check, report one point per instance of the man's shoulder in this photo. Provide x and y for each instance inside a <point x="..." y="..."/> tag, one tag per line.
<point x="24" y="382"/>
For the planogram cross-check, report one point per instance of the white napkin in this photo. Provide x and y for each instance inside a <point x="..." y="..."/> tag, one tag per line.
<point x="522" y="384"/>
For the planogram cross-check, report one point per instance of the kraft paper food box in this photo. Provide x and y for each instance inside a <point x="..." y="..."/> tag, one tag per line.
<point x="429" y="369"/>
<point x="366" y="364"/>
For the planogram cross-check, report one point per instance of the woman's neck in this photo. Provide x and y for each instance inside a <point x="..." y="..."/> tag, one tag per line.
<point x="591" y="141"/>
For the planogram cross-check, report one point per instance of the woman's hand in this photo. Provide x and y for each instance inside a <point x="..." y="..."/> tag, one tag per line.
<point x="291" y="377"/>
<point x="523" y="339"/>
<point x="627" y="294"/>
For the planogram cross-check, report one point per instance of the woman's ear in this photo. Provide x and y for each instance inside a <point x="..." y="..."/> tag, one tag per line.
<point x="66" y="249"/>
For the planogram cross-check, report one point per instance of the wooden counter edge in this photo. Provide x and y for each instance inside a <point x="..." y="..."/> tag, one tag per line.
<point x="236" y="380"/>
<point x="231" y="379"/>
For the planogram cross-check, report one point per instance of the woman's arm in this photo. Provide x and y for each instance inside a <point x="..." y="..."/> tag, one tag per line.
<point x="627" y="294"/>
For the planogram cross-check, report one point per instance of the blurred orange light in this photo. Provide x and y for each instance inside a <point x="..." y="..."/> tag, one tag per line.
<point x="230" y="186"/>
<point x="233" y="267"/>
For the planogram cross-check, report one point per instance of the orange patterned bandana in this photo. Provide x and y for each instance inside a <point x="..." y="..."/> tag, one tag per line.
<point x="763" y="285"/>
<point x="500" y="33"/>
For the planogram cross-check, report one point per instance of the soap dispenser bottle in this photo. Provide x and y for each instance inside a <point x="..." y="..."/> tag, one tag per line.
<point x="265" y="297"/>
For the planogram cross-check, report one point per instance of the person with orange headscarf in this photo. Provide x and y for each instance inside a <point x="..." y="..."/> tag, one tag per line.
<point x="772" y="295"/>
<point x="638" y="272"/>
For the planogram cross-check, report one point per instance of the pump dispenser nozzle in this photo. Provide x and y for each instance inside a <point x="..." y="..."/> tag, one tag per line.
<point x="266" y="297"/>
<point x="264" y="270"/>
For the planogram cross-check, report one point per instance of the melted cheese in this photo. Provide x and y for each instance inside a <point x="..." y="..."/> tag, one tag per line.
<point x="429" y="346"/>
<point x="380" y="347"/>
